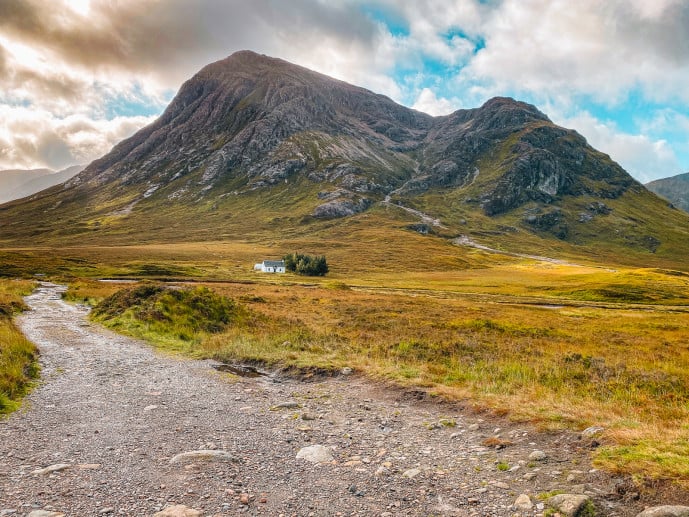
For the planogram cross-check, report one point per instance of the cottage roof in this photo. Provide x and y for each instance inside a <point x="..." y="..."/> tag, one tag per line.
<point x="274" y="263"/>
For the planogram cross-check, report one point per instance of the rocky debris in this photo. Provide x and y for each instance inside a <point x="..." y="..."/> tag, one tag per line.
<point x="598" y="207"/>
<point x="572" y="505"/>
<point x="315" y="454"/>
<point x="665" y="511"/>
<point x="421" y="228"/>
<point x="58" y="467"/>
<point x="341" y="208"/>
<point x="45" y="513"/>
<point x="178" y="510"/>
<point x="523" y="503"/>
<point x="585" y="217"/>
<point x="552" y="221"/>
<point x="204" y="455"/>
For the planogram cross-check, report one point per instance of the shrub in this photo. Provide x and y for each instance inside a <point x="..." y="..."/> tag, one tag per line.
<point x="168" y="313"/>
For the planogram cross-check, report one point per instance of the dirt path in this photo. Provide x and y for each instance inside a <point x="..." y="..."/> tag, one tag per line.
<point x="111" y="415"/>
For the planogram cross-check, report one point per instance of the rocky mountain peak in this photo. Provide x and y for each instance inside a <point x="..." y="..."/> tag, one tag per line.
<point x="502" y="112"/>
<point x="251" y="122"/>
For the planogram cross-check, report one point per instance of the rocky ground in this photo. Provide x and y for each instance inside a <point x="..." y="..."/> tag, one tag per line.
<point x="118" y="429"/>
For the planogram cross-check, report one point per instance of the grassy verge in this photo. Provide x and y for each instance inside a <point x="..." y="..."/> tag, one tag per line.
<point x="18" y="365"/>
<point x="174" y="319"/>
<point x="623" y="366"/>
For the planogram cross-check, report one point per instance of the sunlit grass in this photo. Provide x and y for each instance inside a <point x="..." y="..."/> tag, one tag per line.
<point x="18" y="356"/>
<point x="561" y="345"/>
<point x="560" y="364"/>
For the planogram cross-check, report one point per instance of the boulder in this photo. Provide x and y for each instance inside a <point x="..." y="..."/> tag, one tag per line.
<point x="523" y="503"/>
<point x="572" y="505"/>
<point x="315" y="454"/>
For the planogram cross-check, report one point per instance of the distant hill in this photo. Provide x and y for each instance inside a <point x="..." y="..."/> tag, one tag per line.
<point x="17" y="183"/>
<point x="674" y="189"/>
<point x="256" y="148"/>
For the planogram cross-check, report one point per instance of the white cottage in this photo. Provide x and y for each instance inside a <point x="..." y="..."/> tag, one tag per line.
<point x="271" y="266"/>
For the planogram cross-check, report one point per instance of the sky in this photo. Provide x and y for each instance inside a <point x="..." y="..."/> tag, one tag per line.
<point x="77" y="76"/>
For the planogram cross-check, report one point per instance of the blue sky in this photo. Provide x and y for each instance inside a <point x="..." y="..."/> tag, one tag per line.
<point x="77" y="76"/>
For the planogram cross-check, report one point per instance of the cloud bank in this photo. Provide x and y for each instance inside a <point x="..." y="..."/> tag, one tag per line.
<point x="76" y="76"/>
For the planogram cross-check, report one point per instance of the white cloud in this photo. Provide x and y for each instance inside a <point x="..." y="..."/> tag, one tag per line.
<point x="65" y="61"/>
<point x="603" y="50"/>
<point x="429" y="103"/>
<point x="37" y="138"/>
<point x="644" y="158"/>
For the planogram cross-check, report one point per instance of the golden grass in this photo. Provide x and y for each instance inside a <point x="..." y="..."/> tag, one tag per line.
<point x="562" y="345"/>
<point x="18" y="366"/>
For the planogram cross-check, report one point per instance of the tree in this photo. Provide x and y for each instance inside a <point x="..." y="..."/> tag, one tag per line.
<point x="306" y="265"/>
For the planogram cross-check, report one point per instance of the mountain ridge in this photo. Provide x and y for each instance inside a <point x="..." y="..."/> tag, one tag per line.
<point x="293" y="151"/>
<point x="675" y="189"/>
<point x="19" y="183"/>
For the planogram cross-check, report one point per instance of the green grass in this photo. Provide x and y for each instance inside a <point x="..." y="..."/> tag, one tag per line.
<point x="18" y="357"/>
<point x="178" y="319"/>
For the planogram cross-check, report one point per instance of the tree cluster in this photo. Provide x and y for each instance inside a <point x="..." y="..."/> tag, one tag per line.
<point x="306" y="264"/>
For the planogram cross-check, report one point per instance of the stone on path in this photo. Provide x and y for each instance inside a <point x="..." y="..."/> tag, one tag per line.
<point x="315" y="454"/>
<point x="592" y="431"/>
<point x="665" y="511"/>
<point x="58" y="467"/>
<point x="570" y="505"/>
<point x="411" y="473"/>
<point x="89" y="466"/>
<point x="523" y="503"/>
<point x="538" y="456"/>
<point x="285" y="405"/>
<point x="179" y="510"/>
<point x="45" y="513"/>
<point x="204" y="454"/>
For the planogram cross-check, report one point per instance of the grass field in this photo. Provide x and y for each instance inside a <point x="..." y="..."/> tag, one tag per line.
<point x="18" y="357"/>
<point x="563" y="346"/>
<point x="569" y="344"/>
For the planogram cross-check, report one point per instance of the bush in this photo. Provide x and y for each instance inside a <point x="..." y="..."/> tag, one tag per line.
<point x="306" y="265"/>
<point x="184" y="314"/>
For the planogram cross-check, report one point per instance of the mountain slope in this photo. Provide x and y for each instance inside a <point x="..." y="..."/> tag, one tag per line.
<point x="254" y="147"/>
<point x="36" y="184"/>
<point x="674" y="189"/>
<point x="13" y="179"/>
<point x="16" y="184"/>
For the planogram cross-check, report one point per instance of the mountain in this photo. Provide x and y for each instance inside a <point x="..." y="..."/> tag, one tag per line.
<point x="16" y="183"/>
<point x="674" y="189"/>
<point x="253" y="147"/>
<point x="13" y="179"/>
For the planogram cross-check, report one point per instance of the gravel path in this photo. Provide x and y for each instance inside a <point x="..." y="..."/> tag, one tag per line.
<point x="111" y="417"/>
